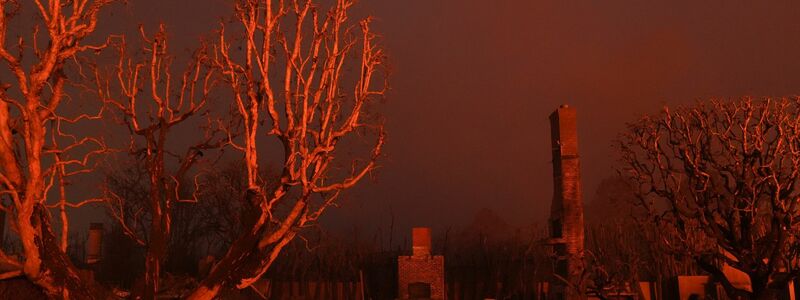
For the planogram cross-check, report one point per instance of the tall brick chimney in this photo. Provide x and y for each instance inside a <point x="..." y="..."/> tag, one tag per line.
<point x="421" y="240"/>
<point x="566" y="211"/>
<point x="94" y="245"/>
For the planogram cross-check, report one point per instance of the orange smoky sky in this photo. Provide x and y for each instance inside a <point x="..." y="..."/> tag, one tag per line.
<point x="474" y="81"/>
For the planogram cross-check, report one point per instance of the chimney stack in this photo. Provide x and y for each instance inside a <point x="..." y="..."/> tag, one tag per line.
<point x="421" y="239"/>
<point x="95" y="243"/>
<point x="421" y="275"/>
<point x="566" y="211"/>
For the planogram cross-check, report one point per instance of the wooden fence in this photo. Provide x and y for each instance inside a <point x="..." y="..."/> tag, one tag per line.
<point x="309" y="290"/>
<point x="326" y="290"/>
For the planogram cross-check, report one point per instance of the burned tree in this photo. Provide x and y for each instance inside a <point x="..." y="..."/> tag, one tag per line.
<point x="290" y="86"/>
<point x="152" y="104"/>
<point x="37" y="153"/>
<point x="622" y="252"/>
<point x="720" y="181"/>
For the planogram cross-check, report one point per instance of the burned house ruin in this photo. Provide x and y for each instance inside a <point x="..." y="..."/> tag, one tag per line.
<point x="421" y="275"/>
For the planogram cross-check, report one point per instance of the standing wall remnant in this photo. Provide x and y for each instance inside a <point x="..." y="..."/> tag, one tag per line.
<point x="566" y="211"/>
<point x="421" y="275"/>
<point x="94" y="245"/>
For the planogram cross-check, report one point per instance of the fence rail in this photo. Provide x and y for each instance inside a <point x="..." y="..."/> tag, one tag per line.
<point x="309" y="290"/>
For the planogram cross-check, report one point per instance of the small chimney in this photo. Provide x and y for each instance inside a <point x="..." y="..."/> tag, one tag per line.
<point x="94" y="244"/>
<point x="421" y="239"/>
<point x="421" y="275"/>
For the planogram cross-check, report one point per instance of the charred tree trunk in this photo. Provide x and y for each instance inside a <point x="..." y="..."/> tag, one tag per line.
<point x="237" y="258"/>
<point x="240" y="263"/>
<point x="154" y="257"/>
<point x="46" y="265"/>
<point x="160" y="212"/>
<point x="55" y="273"/>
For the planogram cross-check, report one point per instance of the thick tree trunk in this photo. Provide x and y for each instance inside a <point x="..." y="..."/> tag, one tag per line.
<point x="46" y="265"/>
<point x="153" y="260"/>
<point x="237" y="260"/>
<point x="159" y="228"/>
<point x="49" y="267"/>
<point x="156" y="254"/>
<point x="237" y="267"/>
<point x="249" y="256"/>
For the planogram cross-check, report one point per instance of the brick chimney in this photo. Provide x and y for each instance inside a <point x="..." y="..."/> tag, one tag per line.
<point x="566" y="211"/>
<point x="94" y="245"/>
<point x="421" y="239"/>
<point x="421" y="275"/>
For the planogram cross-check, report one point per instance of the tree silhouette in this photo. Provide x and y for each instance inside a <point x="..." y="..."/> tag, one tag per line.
<point x="719" y="179"/>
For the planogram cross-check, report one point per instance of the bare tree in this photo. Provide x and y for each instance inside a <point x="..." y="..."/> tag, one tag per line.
<point x="623" y="247"/>
<point x="35" y="150"/>
<point x="291" y="79"/>
<point x="150" y="117"/>
<point x="720" y="179"/>
<point x="197" y="228"/>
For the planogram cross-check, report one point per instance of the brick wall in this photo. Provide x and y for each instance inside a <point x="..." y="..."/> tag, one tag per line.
<point x="428" y="269"/>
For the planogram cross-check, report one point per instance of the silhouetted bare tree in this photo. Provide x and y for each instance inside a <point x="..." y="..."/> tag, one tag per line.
<point x="152" y="103"/>
<point x="720" y="179"/>
<point x="622" y="250"/>
<point x="197" y="228"/>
